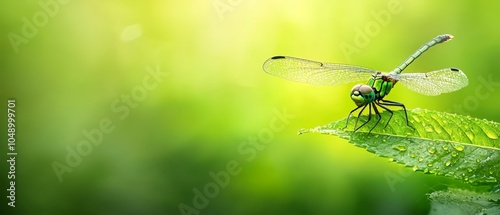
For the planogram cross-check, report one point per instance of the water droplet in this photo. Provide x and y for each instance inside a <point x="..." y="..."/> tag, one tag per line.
<point x="478" y="160"/>
<point x="454" y="154"/>
<point x="415" y="168"/>
<point x="429" y="164"/>
<point x="438" y="130"/>
<point x="426" y="170"/>
<point x="490" y="133"/>
<point x="491" y="172"/>
<point x="383" y="140"/>
<point x="458" y="147"/>
<point x="431" y="150"/>
<point x="400" y="148"/>
<point x="470" y="135"/>
<point x="420" y="159"/>
<point x="412" y="155"/>
<point x="429" y="129"/>
<point x="391" y="159"/>
<point x="448" y="163"/>
<point x="445" y="147"/>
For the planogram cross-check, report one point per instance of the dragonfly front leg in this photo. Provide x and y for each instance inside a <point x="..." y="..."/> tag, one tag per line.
<point x="369" y="116"/>
<point x="348" y="116"/>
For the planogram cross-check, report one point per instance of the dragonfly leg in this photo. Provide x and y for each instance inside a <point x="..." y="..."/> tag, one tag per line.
<point x="359" y="114"/>
<point x="369" y="117"/>
<point x="378" y="120"/>
<point x="388" y="110"/>
<point x="348" y="116"/>
<point x="397" y="104"/>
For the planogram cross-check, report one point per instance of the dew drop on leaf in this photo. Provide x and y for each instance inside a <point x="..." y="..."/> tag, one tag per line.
<point x="445" y="147"/>
<point x="429" y="129"/>
<point x="420" y="159"/>
<point x="438" y="130"/>
<point x="470" y="135"/>
<point x="454" y="154"/>
<point x="400" y="148"/>
<point x="458" y="147"/>
<point x="448" y="163"/>
<point x="431" y="150"/>
<point x="415" y="168"/>
<point x="490" y="133"/>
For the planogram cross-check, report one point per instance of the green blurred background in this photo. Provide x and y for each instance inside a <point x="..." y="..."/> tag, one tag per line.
<point x="86" y="56"/>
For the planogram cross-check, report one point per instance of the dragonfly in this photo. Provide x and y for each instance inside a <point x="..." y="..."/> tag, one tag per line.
<point x="379" y="83"/>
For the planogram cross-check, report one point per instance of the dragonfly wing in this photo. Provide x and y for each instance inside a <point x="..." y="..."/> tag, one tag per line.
<point x="435" y="82"/>
<point x="316" y="73"/>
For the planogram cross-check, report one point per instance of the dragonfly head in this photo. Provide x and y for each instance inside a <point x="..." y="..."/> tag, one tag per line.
<point x="362" y="95"/>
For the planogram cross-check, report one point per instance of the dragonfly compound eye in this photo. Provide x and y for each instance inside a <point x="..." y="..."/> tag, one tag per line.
<point x="362" y="94"/>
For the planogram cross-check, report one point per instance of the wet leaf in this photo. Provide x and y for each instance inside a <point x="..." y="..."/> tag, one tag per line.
<point x="461" y="147"/>
<point x="456" y="201"/>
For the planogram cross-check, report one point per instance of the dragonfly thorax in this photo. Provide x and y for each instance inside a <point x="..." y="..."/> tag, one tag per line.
<point x="362" y="95"/>
<point x="381" y="84"/>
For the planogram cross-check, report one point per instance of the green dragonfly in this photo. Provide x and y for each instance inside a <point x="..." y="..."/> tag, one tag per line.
<point x="379" y="83"/>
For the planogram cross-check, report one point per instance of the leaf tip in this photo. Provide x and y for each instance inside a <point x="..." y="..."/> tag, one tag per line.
<point x="303" y="131"/>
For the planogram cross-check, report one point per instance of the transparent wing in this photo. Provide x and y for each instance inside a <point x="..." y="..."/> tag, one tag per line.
<point x="435" y="82"/>
<point x="313" y="72"/>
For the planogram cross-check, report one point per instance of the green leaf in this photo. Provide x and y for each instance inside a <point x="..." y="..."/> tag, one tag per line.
<point x="457" y="202"/>
<point x="451" y="145"/>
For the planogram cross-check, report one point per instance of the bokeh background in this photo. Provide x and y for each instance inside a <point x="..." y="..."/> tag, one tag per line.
<point x="85" y="58"/>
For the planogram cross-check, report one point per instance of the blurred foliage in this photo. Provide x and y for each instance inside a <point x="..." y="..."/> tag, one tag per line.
<point x="87" y="57"/>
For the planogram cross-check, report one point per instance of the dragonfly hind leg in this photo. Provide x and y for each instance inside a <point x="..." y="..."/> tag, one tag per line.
<point x="394" y="104"/>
